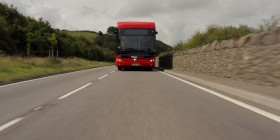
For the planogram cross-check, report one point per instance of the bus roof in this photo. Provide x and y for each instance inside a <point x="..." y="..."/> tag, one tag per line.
<point x="130" y="24"/>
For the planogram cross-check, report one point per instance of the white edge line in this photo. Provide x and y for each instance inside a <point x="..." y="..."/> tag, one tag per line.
<point x="37" y="108"/>
<point x="247" y="106"/>
<point x="72" y="92"/>
<point x="103" y="77"/>
<point x="49" y="77"/>
<point x="7" y="125"/>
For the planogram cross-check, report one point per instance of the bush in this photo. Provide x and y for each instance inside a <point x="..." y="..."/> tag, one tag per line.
<point x="212" y="33"/>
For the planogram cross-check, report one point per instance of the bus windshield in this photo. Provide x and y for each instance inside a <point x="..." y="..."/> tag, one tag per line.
<point x="137" y="43"/>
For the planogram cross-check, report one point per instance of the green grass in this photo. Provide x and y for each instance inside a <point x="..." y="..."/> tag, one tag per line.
<point x="13" y="68"/>
<point x="88" y="35"/>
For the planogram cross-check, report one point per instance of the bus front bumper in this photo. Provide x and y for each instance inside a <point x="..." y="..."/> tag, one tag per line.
<point x="135" y="64"/>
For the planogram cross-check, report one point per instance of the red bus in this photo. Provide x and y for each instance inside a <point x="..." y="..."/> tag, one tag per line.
<point x="136" y="45"/>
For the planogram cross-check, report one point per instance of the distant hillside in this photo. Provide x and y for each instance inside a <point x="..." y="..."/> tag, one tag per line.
<point x="162" y="47"/>
<point x="89" y="35"/>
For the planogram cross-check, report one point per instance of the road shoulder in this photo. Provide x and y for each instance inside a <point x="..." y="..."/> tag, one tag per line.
<point x="266" y="98"/>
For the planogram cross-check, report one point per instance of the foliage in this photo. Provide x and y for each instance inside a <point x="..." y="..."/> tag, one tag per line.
<point x="212" y="33"/>
<point x="106" y="41"/>
<point x="26" y="36"/>
<point x="53" y="40"/>
<point x="11" y="29"/>
<point x="111" y="30"/>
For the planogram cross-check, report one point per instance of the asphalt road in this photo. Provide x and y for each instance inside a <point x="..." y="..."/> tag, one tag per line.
<point x="105" y="104"/>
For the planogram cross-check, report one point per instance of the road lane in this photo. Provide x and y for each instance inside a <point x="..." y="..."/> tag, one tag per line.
<point x="136" y="105"/>
<point x="242" y="104"/>
<point x="9" y="124"/>
<point x="19" y="99"/>
<point x="72" y="92"/>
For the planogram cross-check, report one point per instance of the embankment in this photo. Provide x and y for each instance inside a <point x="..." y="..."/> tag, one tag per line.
<point x="254" y="58"/>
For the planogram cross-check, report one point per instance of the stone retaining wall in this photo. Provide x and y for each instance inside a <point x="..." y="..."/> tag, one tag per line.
<point x="254" y="58"/>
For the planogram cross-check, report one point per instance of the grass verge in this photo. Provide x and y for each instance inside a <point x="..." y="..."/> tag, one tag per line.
<point x="15" y="68"/>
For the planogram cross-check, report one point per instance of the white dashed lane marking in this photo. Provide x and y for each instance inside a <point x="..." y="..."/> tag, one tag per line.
<point x="72" y="92"/>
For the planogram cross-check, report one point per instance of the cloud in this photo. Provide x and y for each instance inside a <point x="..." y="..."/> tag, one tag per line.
<point x="175" y="19"/>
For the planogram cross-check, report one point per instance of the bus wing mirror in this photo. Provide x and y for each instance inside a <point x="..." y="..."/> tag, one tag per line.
<point x="116" y="31"/>
<point x="156" y="32"/>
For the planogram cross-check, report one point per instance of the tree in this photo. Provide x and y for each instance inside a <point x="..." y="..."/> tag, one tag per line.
<point x="29" y="40"/>
<point x="37" y="34"/>
<point x="111" y="30"/>
<point x="100" y="33"/>
<point x="4" y="36"/>
<point x="53" y="41"/>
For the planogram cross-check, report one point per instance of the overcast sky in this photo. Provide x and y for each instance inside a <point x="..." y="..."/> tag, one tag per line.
<point x="175" y="19"/>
